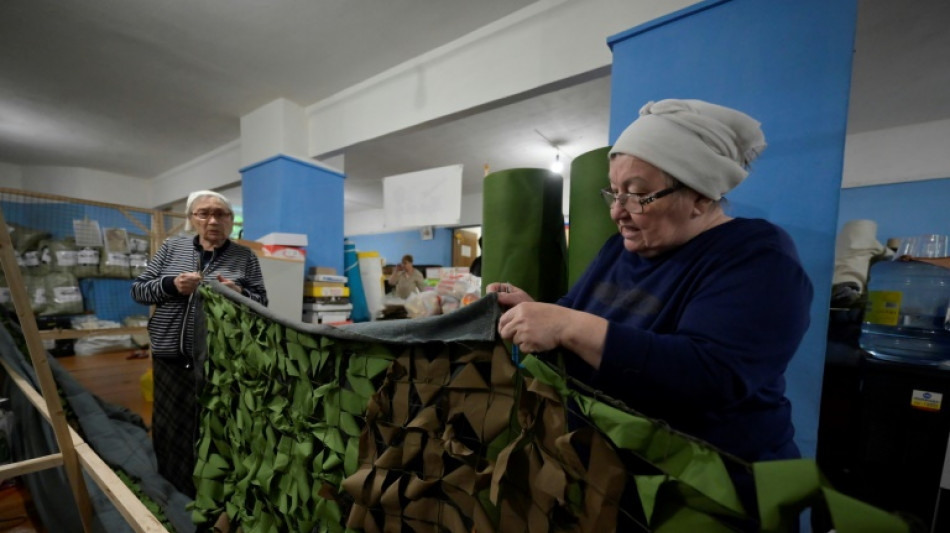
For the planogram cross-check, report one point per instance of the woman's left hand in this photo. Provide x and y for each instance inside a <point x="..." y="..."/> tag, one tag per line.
<point x="535" y="327"/>
<point x="229" y="284"/>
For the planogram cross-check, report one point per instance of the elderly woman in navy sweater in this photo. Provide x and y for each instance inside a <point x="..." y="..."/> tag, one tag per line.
<point x="169" y="283"/>
<point x="687" y="314"/>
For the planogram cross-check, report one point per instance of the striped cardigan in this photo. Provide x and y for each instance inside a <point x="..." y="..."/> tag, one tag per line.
<point x="172" y="325"/>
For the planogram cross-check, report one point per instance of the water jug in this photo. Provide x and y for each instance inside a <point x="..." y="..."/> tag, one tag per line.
<point x="906" y="315"/>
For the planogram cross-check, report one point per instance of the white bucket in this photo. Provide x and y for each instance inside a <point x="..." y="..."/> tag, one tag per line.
<point x="371" y="274"/>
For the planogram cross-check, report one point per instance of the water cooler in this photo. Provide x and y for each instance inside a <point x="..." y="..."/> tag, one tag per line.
<point x="902" y="411"/>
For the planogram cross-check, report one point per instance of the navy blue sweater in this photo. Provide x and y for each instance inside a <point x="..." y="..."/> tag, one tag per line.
<point x="701" y="336"/>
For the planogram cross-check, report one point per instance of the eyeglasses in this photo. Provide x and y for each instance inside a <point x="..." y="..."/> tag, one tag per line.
<point x="205" y="215"/>
<point x="635" y="208"/>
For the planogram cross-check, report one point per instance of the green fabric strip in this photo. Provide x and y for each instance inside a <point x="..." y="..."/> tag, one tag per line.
<point x="318" y="429"/>
<point x="589" y="216"/>
<point x="523" y="239"/>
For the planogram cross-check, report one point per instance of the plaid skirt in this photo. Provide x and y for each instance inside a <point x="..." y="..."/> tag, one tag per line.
<point x="175" y="422"/>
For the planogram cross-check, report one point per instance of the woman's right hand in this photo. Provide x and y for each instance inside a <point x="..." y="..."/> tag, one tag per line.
<point x="508" y="294"/>
<point x="187" y="282"/>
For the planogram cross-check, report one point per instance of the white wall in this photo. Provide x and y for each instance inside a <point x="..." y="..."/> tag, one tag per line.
<point x="907" y="153"/>
<point x="86" y="184"/>
<point x="365" y="222"/>
<point x="11" y="176"/>
<point x="543" y="43"/>
<point x="216" y="169"/>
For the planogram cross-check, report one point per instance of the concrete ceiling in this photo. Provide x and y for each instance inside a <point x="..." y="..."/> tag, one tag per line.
<point x="139" y="88"/>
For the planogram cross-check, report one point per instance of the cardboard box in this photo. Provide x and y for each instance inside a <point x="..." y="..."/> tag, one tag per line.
<point x="288" y="239"/>
<point x="323" y="284"/>
<point x="281" y="251"/>
<point x="319" y="270"/>
<point x="290" y="246"/>
<point x="256" y="247"/>
<point x="331" y="278"/>
<point x="322" y="292"/>
<point x="328" y="307"/>
<point x="312" y="317"/>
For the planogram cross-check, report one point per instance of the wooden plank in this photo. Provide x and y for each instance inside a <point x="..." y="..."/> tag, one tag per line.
<point x="56" y="334"/>
<point x="28" y="466"/>
<point x="68" y="200"/>
<point x="122" y="497"/>
<point x="136" y="514"/>
<point x="38" y="355"/>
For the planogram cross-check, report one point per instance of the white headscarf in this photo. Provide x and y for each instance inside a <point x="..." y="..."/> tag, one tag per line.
<point x="197" y="195"/>
<point x="705" y="146"/>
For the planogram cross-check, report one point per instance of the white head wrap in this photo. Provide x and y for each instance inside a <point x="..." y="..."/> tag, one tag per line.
<point x="705" y="146"/>
<point x="197" y="195"/>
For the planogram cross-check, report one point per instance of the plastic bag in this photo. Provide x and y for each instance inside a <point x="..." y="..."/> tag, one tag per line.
<point x="63" y="296"/>
<point x="59" y="255"/>
<point x="36" y="291"/>
<point x="99" y="343"/>
<point x="137" y="321"/>
<point x="87" y="262"/>
<point x="420" y="304"/>
<point x="459" y="290"/>
<point x="25" y="238"/>
<point x="138" y="255"/>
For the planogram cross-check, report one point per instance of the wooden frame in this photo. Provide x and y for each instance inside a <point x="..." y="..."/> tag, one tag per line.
<point x="75" y="454"/>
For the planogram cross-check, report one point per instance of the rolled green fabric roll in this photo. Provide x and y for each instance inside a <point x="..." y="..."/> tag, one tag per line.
<point x="523" y="238"/>
<point x="590" y="223"/>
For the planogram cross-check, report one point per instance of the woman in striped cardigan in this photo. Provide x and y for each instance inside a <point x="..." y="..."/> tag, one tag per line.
<point x="169" y="283"/>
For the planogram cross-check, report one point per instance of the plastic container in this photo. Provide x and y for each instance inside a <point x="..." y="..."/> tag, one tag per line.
<point x="371" y="273"/>
<point x="906" y="315"/>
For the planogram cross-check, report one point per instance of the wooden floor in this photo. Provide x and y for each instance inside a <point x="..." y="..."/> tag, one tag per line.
<point x="114" y="377"/>
<point x="17" y="514"/>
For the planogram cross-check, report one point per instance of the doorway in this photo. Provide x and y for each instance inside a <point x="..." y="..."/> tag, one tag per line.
<point x="465" y="246"/>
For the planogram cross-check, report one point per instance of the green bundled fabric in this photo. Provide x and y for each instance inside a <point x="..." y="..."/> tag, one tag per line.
<point x="42" y="267"/>
<point x="426" y="424"/>
<point x="26" y="238"/>
<point x="32" y="264"/>
<point x="63" y="296"/>
<point x="59" y="255"/>
<point x="87" y="262"/>
<point x="114" y="258"/>
<point x="590" y="223"/>
<point x="36" y="292"/>
<point x="523" y="238"/>
<point x="138" y="254"/>
<point x="114" y="265"/>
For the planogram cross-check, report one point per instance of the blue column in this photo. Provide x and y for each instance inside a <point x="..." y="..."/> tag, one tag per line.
<point x="288" y="195"/>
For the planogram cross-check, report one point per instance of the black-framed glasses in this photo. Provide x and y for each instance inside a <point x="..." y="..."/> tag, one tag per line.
<point x="634" y="202"/>
<point x="219" y="215"/>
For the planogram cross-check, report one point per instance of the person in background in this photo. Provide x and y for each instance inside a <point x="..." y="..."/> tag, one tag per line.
<point x="405" y="278"/>
<point x="169" y="283"/>
<point x="475" y="268"/>
<point x="687" y="314"/>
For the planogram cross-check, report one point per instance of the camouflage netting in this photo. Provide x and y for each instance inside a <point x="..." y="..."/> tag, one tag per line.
<point x="426" y="425"/>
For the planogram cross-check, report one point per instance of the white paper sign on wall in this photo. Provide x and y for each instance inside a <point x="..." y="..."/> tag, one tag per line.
<point x="430" y="197"/>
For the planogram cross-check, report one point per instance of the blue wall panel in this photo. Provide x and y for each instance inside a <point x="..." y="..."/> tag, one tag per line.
<point x="107" y="298"/>
<point x="392" y="246"/>
<point x="788" y="64"/>
<point x="286" y="195"/>
<point x="900" y="209"/>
